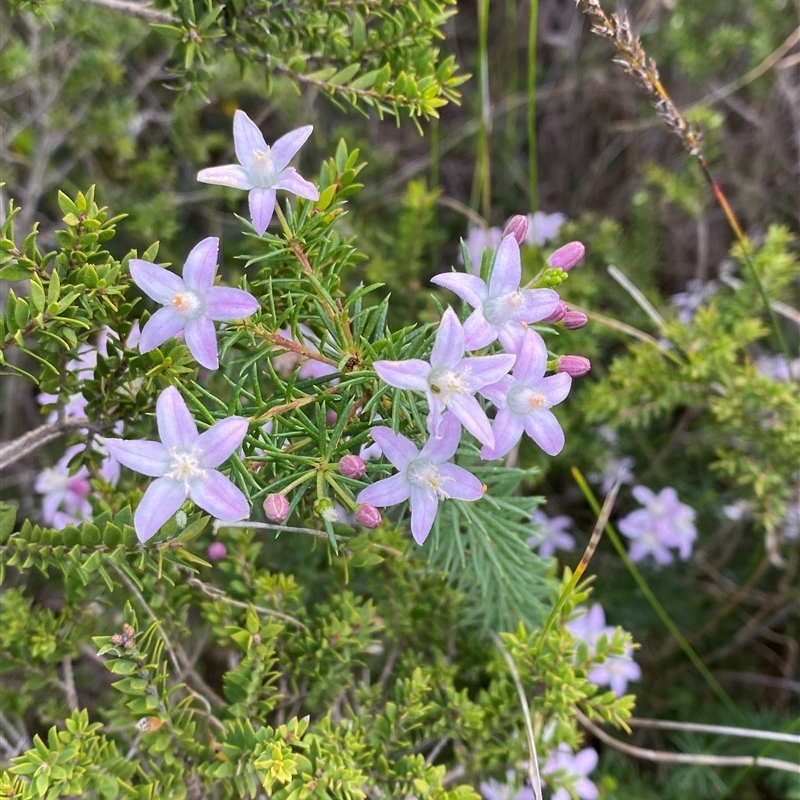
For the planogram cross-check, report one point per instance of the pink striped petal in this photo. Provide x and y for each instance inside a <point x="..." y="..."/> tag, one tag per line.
<point x="443" y="447"/>
<point x="149" y="458"/>
<point x="262" y="204"/>
<point x="231" y="175"/>
<point x="531" y="359"/>
<point x="290" y="181"/>
<point x="411" y="374"/>
<point x="201" y="339"/>
<point x="477" y="331"/>
<point x="247" y="139"/>
<point x="163" y="325"/>
<point x="507" y="271"/>
<point x="460" y="484"/>
<point x="468" y="287"/>
<point x="156" y="282"/>
<point x="201" y="264"/>
<point x="221" y="441"/>
<point x="284" y="150"/>
<point x="396" y="447"/>
<point x="423" y="513"/>
<point x="160" y="502"/>
<point x="544" y="429"/>
<point x="223" y="302"/>
<point x="216" y="494"/>
<point x="176" y="426"/>
<point x="507" y="431"/>
<point x="469" y="413"/>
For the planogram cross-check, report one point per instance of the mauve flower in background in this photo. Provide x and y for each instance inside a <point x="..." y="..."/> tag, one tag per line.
<point x="524" y="399"/>
<point x="285" y="363"/>
<point x="552" y="534"/>
<point x="191" y="304"/>
<point x="423" y="477"/>
<point x="544" y="227"/>
<point x="777" y="368"/>
<point x="589" y="625"/>
<point x="262" y="169"/>
<point x="494" y="790"/>
<point x="449" y="380"/>
<point x="184" y="463"/>
<point x="503" y="310"/>
<point x="478" y="240"/>
<point x="696" y="294"/>
<point x="664" y="522"/>
<point x="216" y="551"/>
<point x="574" y="769"/>
<point x="613" y="469"/>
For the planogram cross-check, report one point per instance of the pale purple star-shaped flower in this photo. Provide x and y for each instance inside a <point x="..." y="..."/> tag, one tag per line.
<point x="494" y="790"/>
<point x="524" y="400"/>
<point x="185" y="465"/>
<point x="502" y="309"/>
<point x="262" y="169"/>
<point x="423" y="476"/>
<point x="449" y="380"/>
<point x="191" y="304"/>
<point x="552" y="534"/>
<point x="543" y="227"/>
<point x="574" y="769"/>
<point x="664" y="522"/>
<point x="589" y="625"/>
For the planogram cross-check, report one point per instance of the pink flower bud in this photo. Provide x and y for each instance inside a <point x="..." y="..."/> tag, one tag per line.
<point x="517" y="227"/>
<point x="216" y="551"/>
<point x="557" y="315"/>
<point x="574" y="320"/>
<point x="352" y="466"/>
<point x="567" y="257"/>
<point x="574" y="365"/>
<point x="368" y="516"/>
<point x="276" y="507"/>
<point x="330" y="418"/>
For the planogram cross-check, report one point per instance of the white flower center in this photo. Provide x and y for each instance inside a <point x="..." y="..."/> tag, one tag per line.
<point x="657" y="508"/>
<point x="188" y="304"/>
<point x="447" y="382"/>
<point x="53" y="480"/>
<point x="502" y="309"/>
<point x="426" y="475"/>
<point x="262" y="171"/>
<point x="523" y="400"/>
<point x="184" y="466"/>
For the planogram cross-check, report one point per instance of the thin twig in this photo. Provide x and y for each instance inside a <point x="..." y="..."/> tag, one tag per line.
<point x="13" y="451"/>
<point x="636" y="294"/>
<point x="69" y="684"/>
<point x="138" y="10"/>
<point x="723" y="730"/>
<point x="684" y="758"/>
<point x="533" y="762"/>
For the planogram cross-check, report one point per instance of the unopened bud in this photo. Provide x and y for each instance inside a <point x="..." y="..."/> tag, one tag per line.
<point x="352" y="466"/>
<point x="517" y="227"/>
<point x="557" y="315"/>
<point x="216" y="551"/>
<point x="276" y="507"/>
<point x="575" y="366"/>
<point x="574" y="320"/>
<point x="567" y="257"/>
<point x="368" y="516"/>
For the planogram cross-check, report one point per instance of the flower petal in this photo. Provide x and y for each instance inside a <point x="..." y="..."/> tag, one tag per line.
<point x="262" y="204"/>
<point x="544" y="429"/>
<point x="285" y="148"/>
<point x="396" y="447"/>
<point x="531" y="360"/>
<point x="176" y="427"/>
<point x="507" y="271"/>
<point x="290" y="181"/>
<point x="537" y="304"/>
<point x="478" y="331"/>
<point x="201" y="264"/>
<point x="423" y="513"/>
<point x="461" y="484"/>
<point x="161" y="500"/>
<point x="555" y="388"/>
<point x="448" y="349"/>
<point x="231" y="175"/>
<point x="223" y="302"/>
<point x="163" y="325"/>
<point x="497" y="393"/>
<point x="201" y="339"/>
<point x="443" y="447"/>
<point x="387" y="492"/>
<point x="507" y="431"/>
<point x="247" y="139"/>
<point x="484" y="370"/>
<point x="410" y="374"/>
<point x="156" y="282"/>
<point x="468" y="287"/>
<point x="644" y="495"/>
<point x="216" y="494"/>
<point x="149" y="458"/>
<point x="221" y="441"/>
<point x="472" y="416"/>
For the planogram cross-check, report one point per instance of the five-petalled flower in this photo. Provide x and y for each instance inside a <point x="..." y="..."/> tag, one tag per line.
<point x="191" y="304"/>
<point x="423" y="476"/>
<point x="262" y="169"/>
<point x="185" y="465"/>
<point x="502" y="309"/>
<point x="524" y="399"/>
<point x="449" y="380"/>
